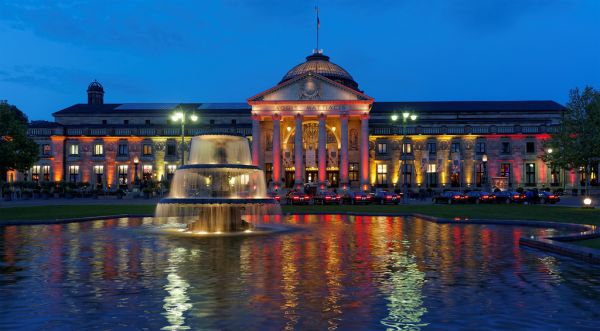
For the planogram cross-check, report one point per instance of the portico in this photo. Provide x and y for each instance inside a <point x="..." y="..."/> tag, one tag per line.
<point x="310" y="127"/>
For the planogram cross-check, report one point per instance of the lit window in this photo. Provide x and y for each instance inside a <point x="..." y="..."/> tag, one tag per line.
<point x="122" y="170"/>
<point x="171" y="171"/>
<point x="147" y="150"/>
<point x="98" y="149"/>
<point x="73" y="173"/>
<point x="530" y="174"/>
<point x="46" y="173"/>
<point x="353" y="171"/>
<point x="99" y="172"/>
<point x="35" y="173"/>
<point x="147" y="172"/>
<point x="432" y="175"/>
<point x="382" y="148"/>
<point x="382" y="174"/>
<point x="74" y="149"/>
<point x="407" y="148"/>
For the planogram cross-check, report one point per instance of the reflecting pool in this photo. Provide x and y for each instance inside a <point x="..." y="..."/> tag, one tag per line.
<point x="333" y="272"/>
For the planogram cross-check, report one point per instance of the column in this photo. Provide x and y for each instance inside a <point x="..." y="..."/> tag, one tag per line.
<point x="344" y="150"/>
<point x="322" y="141"/>
<point x="298" y="152"/>
<point x="364" y="150"/>
<point x="255" y="139"/>
<point x="277" y="149"/>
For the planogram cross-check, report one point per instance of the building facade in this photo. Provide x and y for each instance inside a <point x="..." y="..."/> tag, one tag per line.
<point x="314" y="126"/>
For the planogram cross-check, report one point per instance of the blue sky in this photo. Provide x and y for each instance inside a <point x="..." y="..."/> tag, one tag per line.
<point x="227" y="51"/>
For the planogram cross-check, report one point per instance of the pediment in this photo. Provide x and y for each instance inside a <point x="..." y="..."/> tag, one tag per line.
<point x="308" y="87"/>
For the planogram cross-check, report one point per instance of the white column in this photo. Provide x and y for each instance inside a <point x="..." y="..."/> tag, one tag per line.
<point x="277" y="149"/>
<point x="364" y="150"/>
<point x="298" y="152"/>
<point x="344" y="150"/>
<point x="322" y="141"/>
<point x="255" y="140"/>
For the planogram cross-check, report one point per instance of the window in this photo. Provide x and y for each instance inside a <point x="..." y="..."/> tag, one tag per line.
<point x="407" y="148"/>
<point x="530" y="174"/>
<point x="530" y="147"/>
<point x="147" y="122"/>
<point x="555" y="176"/>
<point x="171" y="171"/>
<point x="73" y="173"/>
<point x="171" y="149"/>
<point x="46" y="149"/>
<point x="431" y="175"/>
<point x="123" y="149"/>
<point x="74" y="149"/>
<point x="382" y="174"/>
<point x="504" y="169"/>
<point x="212" y="122"/>
<point x="268" y="172"/>
<point x="98" y="149"/>
<point x="455" y="148"/>
<point x="99" y="172"/>
<point x="147" y="149"/>
<point x="35" y="173"/>
<point x="381" y="148"/>
<point x="233" y="122"/>
<point x="353" y="171"/>
<point x="104" y="122"/>
<point x="147" y="172"/>
<point x="122" y="171"/>
<point x="480" y="147"/>
<point x="125" y="121"/>
<point x="431" y="148"/>
<point x="407" y="174"/>
<point x="479" y="175"/>
<point x="505" y="147"/>
<point x="46" y="173"/>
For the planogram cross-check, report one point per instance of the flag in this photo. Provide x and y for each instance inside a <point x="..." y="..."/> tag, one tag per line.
<point x="318" y="20"/>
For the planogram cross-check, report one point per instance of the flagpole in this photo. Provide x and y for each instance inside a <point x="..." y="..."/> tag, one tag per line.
<point x="318" y="25"/>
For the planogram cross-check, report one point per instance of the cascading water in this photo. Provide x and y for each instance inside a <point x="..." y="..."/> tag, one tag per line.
<point x="219" y="190"/>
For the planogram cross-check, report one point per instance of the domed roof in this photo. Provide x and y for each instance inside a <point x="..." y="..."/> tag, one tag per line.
<point x="319" y="63"/>
<point x="95" y="86"/>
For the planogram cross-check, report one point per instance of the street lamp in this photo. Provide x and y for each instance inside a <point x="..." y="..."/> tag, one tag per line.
<point x="405" y="117"/>
<point x="484" y="159"/>
<point x="136" y="178"/>
<point x="180" y="116"/>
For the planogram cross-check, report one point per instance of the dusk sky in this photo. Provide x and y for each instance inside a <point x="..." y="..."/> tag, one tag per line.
<point x="227" y="51"/>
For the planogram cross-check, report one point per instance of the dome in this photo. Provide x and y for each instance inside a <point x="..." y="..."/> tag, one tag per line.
<point x="95" y="86"/>
<point x="319" y="63"/>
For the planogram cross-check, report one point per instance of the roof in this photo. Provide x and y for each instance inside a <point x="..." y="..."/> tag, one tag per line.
<point x="320" y="64"/>
<point x="150" y="108"/>
<point x="467" y="106"/>
<point x="378" y="107"/>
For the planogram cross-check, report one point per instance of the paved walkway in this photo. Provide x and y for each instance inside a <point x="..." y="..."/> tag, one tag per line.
<point x="78" y="201"/>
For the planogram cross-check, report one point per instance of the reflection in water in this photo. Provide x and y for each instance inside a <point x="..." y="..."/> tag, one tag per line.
<point x="177" y="302"/>
<point x="336" y="272"/>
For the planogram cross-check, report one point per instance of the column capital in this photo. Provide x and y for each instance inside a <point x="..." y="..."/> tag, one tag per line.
<point x="299" y="116"/>
<point x="276" y="117"/>
<point x="344" y="116"/>
<point x="255" y="117"/>
<point x="322" y="116"/>
<point x="364" y="116"/>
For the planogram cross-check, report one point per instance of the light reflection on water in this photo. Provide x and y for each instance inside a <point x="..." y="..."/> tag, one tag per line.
<point x="338" y="272"/>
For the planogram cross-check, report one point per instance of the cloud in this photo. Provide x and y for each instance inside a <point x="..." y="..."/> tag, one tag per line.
<point x="140" y="25"/>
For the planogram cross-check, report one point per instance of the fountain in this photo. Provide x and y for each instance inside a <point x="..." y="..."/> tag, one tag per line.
<point x="219" y="190"/>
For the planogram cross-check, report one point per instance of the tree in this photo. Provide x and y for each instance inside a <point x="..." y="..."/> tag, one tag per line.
<point x="17" y="150"/>
<point x="577" y="145"/>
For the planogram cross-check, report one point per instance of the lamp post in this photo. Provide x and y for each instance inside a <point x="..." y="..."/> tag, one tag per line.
<point x="181" y="116"/>
<point x="405" y="117"/>
<point x="136" y="178"/>
<point x="484" y="159"/>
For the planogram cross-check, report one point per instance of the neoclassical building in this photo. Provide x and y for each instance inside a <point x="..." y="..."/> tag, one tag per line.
<point x="315" y="126"/>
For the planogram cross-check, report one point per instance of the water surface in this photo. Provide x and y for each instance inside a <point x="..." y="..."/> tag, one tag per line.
<point x="336" y="272"/>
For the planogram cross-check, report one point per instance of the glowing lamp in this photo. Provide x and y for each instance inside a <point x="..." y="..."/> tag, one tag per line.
<point x="405" y="115"/>
<point x="194" y="117"/>
<point x="394" y="117"/>
<point x="587" y="203"/>
<point x="413" y="117"/>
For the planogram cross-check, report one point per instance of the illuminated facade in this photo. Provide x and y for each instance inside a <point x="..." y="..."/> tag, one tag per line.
<point x="346" y="138"/>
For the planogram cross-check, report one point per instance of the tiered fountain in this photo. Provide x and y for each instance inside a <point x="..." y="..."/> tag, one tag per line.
<point x="219" y="190"/>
